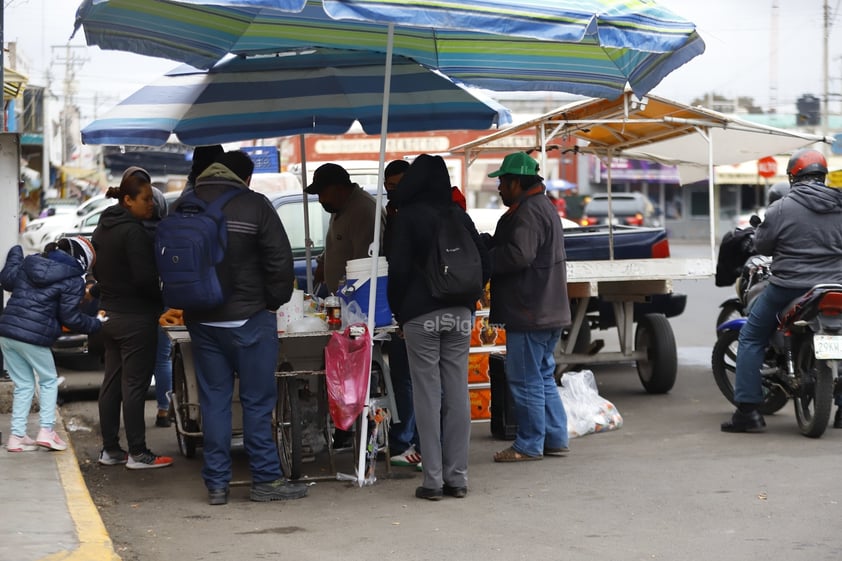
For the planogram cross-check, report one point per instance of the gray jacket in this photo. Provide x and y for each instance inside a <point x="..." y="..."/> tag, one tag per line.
<point x="529" y="268"/>
<point x="803" y="234"/>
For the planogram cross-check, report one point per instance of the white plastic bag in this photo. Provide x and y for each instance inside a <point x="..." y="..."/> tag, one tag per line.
<point x="586" y="410"/>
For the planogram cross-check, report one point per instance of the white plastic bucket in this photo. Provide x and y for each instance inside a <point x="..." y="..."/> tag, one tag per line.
<point x="358" y="286"/>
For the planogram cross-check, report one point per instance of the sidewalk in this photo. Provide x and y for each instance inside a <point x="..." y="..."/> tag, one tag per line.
<point x="46" y="510"/>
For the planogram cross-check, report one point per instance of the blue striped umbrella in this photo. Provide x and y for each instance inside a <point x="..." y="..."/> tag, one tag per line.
<point x="322" y="91"/>
<point x="587" y="47"/>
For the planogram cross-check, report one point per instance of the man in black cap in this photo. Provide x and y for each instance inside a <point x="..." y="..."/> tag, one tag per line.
<point x="351" y="229"/>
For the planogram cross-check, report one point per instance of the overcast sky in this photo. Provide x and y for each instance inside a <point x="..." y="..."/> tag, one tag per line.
<point x="740" y="54"/>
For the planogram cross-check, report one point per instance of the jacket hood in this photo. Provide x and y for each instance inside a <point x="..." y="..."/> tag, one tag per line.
<point x="114" y="215"/>
<point x="425" y="180"/>
<point x="52" y="268"/>
<point x="817" y="197"/>
<point x="219" y="171"/>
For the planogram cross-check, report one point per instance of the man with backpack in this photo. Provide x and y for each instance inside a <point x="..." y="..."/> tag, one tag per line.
<point x="435" y="316"/>
<point x="529" y="298"/>
<point x="239" y="336"/>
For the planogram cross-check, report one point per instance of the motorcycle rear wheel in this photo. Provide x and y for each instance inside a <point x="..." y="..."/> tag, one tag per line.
<point x="724" y="365"/>
<point x="815" y="400"/>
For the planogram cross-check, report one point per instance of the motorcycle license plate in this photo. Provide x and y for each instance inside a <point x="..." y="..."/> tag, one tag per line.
<point x="827" y="347"/>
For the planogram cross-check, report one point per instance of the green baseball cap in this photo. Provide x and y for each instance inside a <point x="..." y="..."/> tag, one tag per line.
<point x="519" y="163"/>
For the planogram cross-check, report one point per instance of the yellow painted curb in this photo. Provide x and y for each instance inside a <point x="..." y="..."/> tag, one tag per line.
<point x="94" y="542"/>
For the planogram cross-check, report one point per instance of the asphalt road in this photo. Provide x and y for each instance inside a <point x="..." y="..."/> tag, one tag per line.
<point x="667" y="485"/>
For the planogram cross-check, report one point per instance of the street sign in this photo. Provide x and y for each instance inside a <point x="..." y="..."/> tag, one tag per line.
<point x="767" y="167"/>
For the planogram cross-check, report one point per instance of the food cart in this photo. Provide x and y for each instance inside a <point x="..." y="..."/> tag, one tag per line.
<point x="651" y="128"/>
<point x="301" y="403"/>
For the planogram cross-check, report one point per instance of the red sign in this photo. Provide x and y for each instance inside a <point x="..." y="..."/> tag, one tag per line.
<point x="767" y="167"/>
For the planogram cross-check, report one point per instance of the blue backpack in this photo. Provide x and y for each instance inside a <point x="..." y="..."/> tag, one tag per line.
<point x="189" y="244"/>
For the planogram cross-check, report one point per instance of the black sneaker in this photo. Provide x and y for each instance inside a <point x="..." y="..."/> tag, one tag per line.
<point x="457" y="492"/>
<point x="218" y="496"/>
<point x="147" y="460"/>
<point x="429" y="494"/>
<point x="278" y="490"/>
<point x="742" y="421"/>
<point x="162" y="421"/>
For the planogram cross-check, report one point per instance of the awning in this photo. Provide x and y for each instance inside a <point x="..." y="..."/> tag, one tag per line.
<point x="13" y="84"/>
<point x="652" y="128"/>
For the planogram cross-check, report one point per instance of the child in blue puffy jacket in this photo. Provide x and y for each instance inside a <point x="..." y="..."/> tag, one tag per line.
<point x="47" y="289"/>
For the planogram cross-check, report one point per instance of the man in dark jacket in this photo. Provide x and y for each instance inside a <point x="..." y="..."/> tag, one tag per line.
<point x="529" y="298"/>
<point x="241" y="334"/>
<point x="803" y="234"/>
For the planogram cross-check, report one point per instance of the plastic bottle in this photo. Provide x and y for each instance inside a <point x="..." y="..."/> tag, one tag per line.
<point x="333" y="312"/>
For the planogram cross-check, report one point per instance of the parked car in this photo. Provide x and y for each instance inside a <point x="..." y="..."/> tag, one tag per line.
<point x="41" y="231"/>
<point x="629" y="209"/>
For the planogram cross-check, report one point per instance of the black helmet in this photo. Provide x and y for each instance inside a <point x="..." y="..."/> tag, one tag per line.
<point x="778" y="191"/>
<point x="806" y="162"/>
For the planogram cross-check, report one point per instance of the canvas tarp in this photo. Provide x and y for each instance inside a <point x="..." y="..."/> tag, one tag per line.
<point x="652" y="128"/>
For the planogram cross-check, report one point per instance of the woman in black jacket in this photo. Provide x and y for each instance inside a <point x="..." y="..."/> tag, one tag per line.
<point x="129" y="293"/>
<point x="438" y="334"/>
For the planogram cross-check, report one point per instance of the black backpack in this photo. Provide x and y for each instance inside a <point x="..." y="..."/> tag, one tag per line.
<point x="189" y="244"/>
<point x="736" y="247"/>
<point x="453" y="269"/>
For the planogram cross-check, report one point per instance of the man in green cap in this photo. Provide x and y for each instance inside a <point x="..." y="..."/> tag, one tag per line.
<point x="529" y="298"/>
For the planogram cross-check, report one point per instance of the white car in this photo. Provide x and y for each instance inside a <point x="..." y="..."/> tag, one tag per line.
<point x="485" y="219"/>
<point x="41" y="231"/>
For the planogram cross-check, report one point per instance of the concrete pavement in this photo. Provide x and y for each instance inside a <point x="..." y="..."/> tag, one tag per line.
<point x="46" y="511"/>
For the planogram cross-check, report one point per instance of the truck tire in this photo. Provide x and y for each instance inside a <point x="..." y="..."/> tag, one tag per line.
<point x="658" y="370"/>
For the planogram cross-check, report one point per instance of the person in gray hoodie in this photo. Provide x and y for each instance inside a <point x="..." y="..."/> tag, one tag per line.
<point x="803" y="233"/>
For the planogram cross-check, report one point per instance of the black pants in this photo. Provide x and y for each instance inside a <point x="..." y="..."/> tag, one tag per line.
<point x="130" y="343"/>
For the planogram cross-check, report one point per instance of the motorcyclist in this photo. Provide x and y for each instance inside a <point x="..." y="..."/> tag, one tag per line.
<point x="803" y="233"/>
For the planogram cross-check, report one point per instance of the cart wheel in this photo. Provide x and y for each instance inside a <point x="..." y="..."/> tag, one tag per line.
<point x="288" y="423"/>
<point x="186" y="444"/>
<point x="658" y="370"/>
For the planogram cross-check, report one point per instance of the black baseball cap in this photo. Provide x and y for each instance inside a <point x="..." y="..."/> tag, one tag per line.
<point x="328" y="174"/>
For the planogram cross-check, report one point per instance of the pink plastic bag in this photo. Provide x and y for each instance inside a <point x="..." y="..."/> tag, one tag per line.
<point x="347" y="368"/>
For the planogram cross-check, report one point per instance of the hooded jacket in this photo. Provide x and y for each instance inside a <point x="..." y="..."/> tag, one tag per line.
<point x="803" y="234"/>
<point x="529" y="267"/>
<point x="46" y="293"/>
<point x="257" y="270"/>
<point x="421" y="196"/>
<point x="125" y="266"/>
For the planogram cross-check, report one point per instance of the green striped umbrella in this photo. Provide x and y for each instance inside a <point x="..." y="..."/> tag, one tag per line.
<point x="587" y="47"/>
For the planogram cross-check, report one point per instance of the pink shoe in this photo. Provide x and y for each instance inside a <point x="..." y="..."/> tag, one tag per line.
<point x="48" y="438"/>
<point x="20" y="444"/>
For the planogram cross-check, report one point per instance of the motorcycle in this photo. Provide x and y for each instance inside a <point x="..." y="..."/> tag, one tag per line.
<point x="801" y="362"/>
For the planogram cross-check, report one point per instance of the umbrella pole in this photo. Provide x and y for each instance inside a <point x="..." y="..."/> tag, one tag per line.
<point x="308" y="243"/>
<point x="375" y="253"/>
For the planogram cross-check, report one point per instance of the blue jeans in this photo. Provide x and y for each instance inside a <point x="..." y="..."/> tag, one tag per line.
<point x="23" y="360"/>
<point x="252" y="352"/>
<point x="541" y="419"/>
<point x="754" y="338"/>
<point x="163" y="370"/>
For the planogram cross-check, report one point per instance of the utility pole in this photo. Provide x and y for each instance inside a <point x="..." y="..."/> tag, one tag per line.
<point x="773" y="59"/>
<point x="826" y="72"/>
<point x="71" y="61"/>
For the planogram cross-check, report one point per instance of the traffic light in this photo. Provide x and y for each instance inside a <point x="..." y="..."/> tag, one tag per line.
<point x="809" y="112"/>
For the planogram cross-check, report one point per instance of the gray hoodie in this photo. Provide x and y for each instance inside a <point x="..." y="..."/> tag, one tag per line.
<point x="803" y="234"/>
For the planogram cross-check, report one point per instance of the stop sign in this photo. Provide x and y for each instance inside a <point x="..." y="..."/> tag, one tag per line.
<point x="767" y="167"/>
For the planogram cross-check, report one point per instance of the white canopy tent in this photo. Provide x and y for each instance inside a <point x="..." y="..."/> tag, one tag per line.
<point x="652" y="128"/>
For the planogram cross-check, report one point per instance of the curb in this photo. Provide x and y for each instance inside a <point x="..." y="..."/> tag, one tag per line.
<point x="94" y="542"/>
